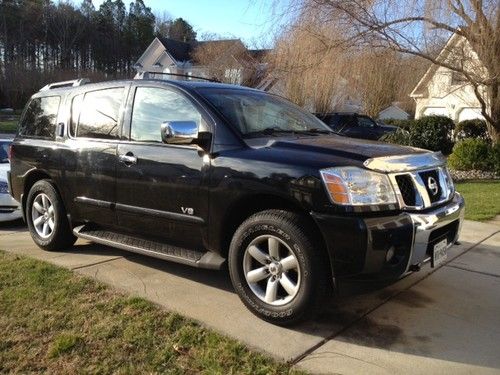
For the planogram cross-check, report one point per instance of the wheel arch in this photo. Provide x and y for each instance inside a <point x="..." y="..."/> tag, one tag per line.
<point x="32" y="178"/>
<point x="246" y="206"/>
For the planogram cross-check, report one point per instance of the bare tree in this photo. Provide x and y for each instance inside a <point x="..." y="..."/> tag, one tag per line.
<point x="223" y="59"/>
<point x="311" y="73"/>
<point x="409" y="27"/>
<point x="383" y="76"/>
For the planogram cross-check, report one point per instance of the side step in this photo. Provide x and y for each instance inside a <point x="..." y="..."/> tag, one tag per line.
<point x="155" y="249"/>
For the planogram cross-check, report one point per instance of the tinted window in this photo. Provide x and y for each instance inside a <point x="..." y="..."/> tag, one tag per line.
<point x="333" y="120"/>
<point x="365" y="122"/>
<point x="153" y="106"/>
<point x="4" y="147"/>
<point x="99" y="114"/>
<point x="39" y="119"/>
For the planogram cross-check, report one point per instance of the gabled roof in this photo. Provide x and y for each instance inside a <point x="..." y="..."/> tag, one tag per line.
<point x="422" y="84"/>
<point x="183" y="51"/>
<point x="259" y="54"/>
<point x="395" y="107"/>
<point x="180" y="51"/>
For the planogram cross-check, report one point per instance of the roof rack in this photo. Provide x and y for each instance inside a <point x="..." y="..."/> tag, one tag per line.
<point x="71" y="83"/>
<point x="147" y="75"/>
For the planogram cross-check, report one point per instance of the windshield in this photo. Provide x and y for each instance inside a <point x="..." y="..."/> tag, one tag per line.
<point x="256" y="113"/>
<point x="4" y="147"/>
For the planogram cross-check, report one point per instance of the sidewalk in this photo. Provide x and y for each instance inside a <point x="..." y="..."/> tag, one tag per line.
<point x="434" y="321"/>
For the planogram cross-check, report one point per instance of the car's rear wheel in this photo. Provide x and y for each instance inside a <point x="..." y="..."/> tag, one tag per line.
<point x="277" y="267"/>
<point x="46" y="217"/>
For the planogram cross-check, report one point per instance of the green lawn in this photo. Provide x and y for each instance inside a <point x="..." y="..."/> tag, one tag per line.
<point x="482" y="199"/>
<point x="54" y="321"/>
<point x="8" y="126"/>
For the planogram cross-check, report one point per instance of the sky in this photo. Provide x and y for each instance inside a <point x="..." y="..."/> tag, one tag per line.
<point x="255" y="22"/>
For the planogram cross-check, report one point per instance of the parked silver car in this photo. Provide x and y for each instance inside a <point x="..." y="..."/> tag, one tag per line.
<point x="9" y="207"/>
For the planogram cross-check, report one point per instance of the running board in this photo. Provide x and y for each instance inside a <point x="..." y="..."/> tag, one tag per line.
<point x="209" y="260"/>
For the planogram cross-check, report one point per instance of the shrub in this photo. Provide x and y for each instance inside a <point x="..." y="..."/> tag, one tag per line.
<point x="474" y="153"/>
<point x="403" y="124"/>
<point x="400" y="137"/>
<point x="495" y="158"/>
<point x="433" y="133"/>
<point x="471" y="129"/>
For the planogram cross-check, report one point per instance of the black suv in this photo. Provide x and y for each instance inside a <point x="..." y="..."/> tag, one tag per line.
<point x="355" y="125"/>
<point x="207" y="174"/>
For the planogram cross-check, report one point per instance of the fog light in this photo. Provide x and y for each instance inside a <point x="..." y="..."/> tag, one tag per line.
<point x="390" y="254"/>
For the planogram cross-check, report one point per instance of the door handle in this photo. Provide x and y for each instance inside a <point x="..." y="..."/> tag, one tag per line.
<point x="128" y="159"/>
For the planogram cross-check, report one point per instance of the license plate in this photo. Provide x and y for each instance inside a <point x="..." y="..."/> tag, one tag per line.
<point x="439" y="254"/>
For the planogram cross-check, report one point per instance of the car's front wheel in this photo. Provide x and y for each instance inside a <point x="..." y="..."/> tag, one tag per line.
<point x="276" y="267"/>
<point x="46" y="217"/>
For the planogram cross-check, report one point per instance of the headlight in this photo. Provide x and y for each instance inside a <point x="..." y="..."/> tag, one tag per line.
<point x="449" y="181"/>
<point x="4" y="188"/>
<point x="354" y="186"/>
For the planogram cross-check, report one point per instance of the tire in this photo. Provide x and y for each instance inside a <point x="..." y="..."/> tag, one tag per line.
<point x="46" y="218"/>
<point x="262" y="279"/>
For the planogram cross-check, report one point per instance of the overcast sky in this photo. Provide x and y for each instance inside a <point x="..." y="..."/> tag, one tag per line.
<point x="246" y="19"/>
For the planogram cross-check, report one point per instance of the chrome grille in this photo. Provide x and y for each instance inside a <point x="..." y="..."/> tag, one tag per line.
<point x="421" y="189"/>
<point x="407" y="189"/>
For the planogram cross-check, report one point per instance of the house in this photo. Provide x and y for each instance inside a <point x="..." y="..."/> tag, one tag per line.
<point x="226" y="60"/>
<point x="393" y="112"/>
<point x="442" y="91"/>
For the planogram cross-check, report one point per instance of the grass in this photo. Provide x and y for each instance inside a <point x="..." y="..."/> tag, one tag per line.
<point x="482" y="199"/>
<point x="54" y="321"/>
<point x="8" y="126"/>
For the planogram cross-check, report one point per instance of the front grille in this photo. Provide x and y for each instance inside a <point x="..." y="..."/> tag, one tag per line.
<point x="407" y="189"/>
<point x="422" y="189"/>
<point x="430" y="180"/>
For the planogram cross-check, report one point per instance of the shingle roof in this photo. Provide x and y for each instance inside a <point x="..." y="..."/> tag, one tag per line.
<point x="180" y="51"/>
<point x="183" y="51"/>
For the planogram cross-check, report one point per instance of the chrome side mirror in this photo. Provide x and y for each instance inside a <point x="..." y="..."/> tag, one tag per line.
<point x="179" y="132"/>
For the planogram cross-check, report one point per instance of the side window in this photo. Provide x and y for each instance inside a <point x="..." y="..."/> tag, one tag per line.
<point x="365" y="122"/>
<point x="39" y="120"/>
<point x="153" y="106"/>
<point x="99" y="113"/>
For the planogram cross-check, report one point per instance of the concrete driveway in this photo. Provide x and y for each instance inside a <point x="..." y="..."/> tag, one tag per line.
<point x="434" y="321"/>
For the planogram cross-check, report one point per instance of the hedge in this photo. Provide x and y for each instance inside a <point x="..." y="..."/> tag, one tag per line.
<point x="475" y="154"/>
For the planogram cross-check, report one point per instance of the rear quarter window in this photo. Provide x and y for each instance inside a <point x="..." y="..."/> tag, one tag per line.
<point x="39" y="118"/>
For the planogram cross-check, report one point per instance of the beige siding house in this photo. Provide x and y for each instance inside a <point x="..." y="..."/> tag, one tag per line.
<point x="167" y="56"/>
<point x="442" y="91"/>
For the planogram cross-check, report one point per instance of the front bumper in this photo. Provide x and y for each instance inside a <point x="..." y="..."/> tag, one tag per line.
<point x="359" y="246"/>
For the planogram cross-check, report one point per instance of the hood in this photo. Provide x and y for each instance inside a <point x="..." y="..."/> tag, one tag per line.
<point x="335" y="146"/>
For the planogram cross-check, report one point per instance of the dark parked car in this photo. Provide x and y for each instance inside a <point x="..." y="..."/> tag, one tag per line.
<point x="209" y="174"/>
<point x="355" y="125"/>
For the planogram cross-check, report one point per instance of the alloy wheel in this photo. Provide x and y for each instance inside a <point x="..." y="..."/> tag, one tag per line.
<point x="271" y="270"/>
<point x="43" y="215"/>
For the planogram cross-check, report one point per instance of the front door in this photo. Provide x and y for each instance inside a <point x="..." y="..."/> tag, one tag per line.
<point x="161" y="189"/>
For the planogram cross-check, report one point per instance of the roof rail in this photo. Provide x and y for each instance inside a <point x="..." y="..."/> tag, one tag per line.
<point x="71" y="83"/>
<point x="150" y="75"/>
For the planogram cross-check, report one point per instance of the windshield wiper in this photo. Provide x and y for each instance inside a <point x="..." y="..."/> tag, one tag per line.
<point x="315" y="131"/>
<point x="270" y="131"/>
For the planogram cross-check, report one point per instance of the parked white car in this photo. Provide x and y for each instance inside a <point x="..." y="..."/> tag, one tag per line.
<point x="9" y="207"/>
